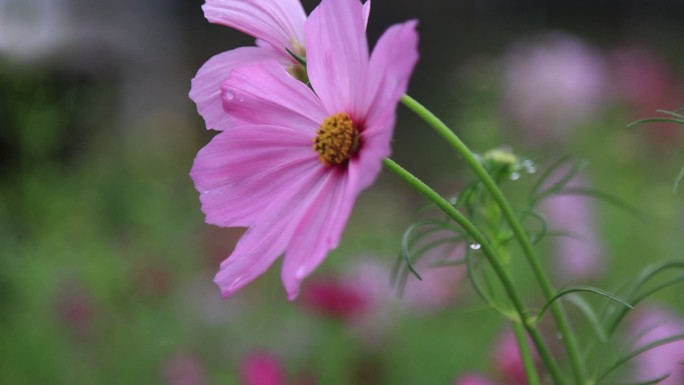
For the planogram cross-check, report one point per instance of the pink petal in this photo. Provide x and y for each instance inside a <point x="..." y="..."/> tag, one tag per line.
<point x="366" y="13"/>
<point x="390" y="68"/>
<point x="265" y="93"/>
<point x="206" y="85"/>
<point x="391" y="64"/>
<point x="242" y="170"/>
<point x="319" y="230"/>
<point x="278" y="22"/>
<point x="264" y="242"/>
<point x="337" y="53"/>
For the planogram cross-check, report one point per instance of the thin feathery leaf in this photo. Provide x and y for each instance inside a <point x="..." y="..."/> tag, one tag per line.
<point x="475" y="281"/>
<point x="657" y="288"/>
<point x="560" y="184"/>
<point x="606" y="197"/>
<point x="589" y="289"/>
<point x="547" y="173"/>
<point x="672" y="113"/>
<point x="538" y="236"/>
<point x="647" y="382"/>
<point x="645" y="276"/>
<point x="617" y="363"/>
<point x="585" y="308"/>
<point x="678" y="180"/>
<point x="655" y="120"/>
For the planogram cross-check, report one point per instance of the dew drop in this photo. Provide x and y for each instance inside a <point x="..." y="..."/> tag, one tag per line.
<point x="229" y="95"/>
<point x="515" y="176"/>
<point x="529" y="166"/>
<point x="559" y="336"/>
<point x="475" y="246"/>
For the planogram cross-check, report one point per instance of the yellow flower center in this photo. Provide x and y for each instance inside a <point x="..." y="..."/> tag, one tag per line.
<point x="337" y="139"/>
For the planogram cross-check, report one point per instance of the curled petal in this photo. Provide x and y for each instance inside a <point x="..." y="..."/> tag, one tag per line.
<point x="280" y="23"/>
<point x="206" y="85"/>
<point x="265" y="93"/>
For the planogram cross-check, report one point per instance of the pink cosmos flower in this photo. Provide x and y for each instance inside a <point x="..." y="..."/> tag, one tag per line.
<point x="296" y="159"/>
<point x="278" y="26"/>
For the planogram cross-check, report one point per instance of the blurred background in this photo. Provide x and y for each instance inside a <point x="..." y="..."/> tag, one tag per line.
<point x="106" y="263"/>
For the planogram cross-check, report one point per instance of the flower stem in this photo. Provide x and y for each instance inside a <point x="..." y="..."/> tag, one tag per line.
<point x="491" y="256"/>
<point x="528" y="361"/>
<point x="578" y="366"/>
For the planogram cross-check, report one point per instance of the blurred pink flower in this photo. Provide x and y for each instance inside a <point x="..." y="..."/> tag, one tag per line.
<point x="278" y="26"/>
<point x="645" y="82"/>
<point x="653" y="325"/>
<point x="296" y="160"/>
<point x="75" y="310"/>
<point x="261" y="369"/>
<point x="507" y="359"/>
<point x="364" y="295"/>
<point x="552" y="84"/>
<point x="473" y="379"/>
<point x="183" y="369"/>
<point x="335" y="298"/>
<point x="578" y="253"/>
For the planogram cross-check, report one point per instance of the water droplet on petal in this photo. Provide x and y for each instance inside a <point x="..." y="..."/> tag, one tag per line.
<point x="515" y="176"/>
<point x="475" y="246"/>
<point x="229" y="95"/>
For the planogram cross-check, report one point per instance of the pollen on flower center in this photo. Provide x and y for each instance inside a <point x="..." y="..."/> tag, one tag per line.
<point x="336" y="140"/>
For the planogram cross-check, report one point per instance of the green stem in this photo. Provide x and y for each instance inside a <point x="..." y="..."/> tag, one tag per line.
<point x="578" y="366"/>
<point x="528" y="361"/>
<point x="491" y="256"/>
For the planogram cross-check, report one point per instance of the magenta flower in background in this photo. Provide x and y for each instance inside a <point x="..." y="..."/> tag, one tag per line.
<point x="508" y="361"/>
<point x="278" y="26"/>
<point x="262" y="369"/>
<point x="335" y="298"/>
<point x="295" y="161"/>
<point x="473" y="379"/>
<point x="653" y="325"/>
<point x="645" y="82"/>
<point x="552" y="84"/>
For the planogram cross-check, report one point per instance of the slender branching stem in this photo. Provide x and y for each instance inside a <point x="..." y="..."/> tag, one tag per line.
<point x="578" y="366"/>
<point x="492" y="258"/>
